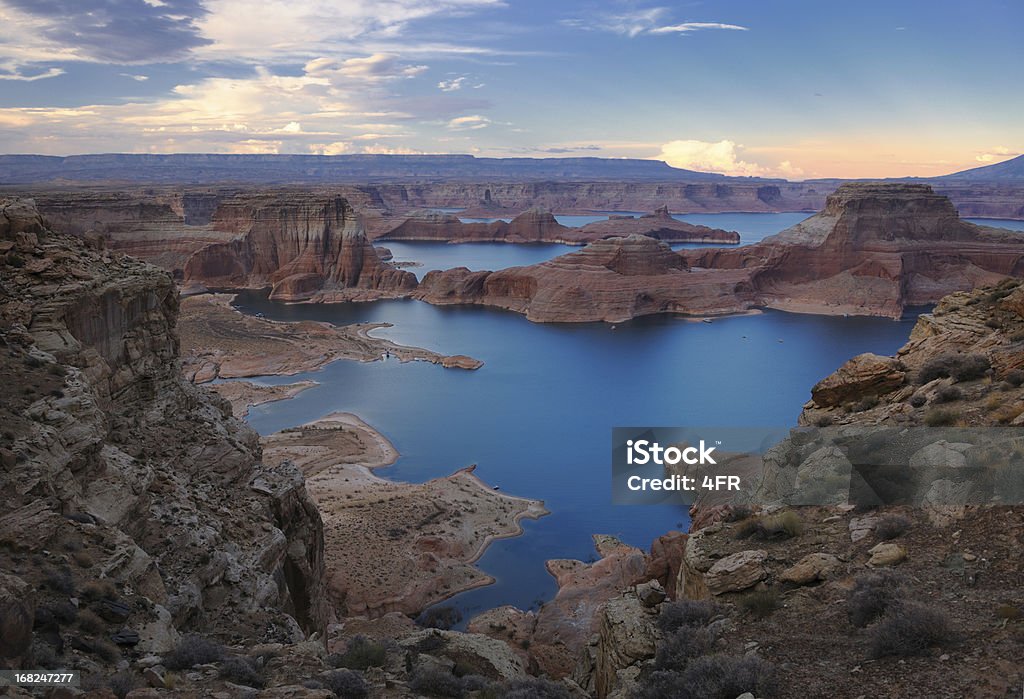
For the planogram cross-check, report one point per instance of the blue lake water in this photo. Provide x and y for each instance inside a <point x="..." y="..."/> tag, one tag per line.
<point x="998" y="223"/>
<point x="537" y="417"/>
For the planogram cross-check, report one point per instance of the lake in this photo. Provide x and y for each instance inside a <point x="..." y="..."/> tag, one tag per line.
<point x="537" y="417"/>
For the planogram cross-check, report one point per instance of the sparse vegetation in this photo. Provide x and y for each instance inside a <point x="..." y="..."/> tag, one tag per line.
<point x="241" y="671"/>
<point x="918" y="400"/>
<point x="866" y="403"/>
<point x="89" y="622"/>
<point x="530" y="688"/>
<point x="909" y="629"/>
<point x="362" y="653"/>
<point x="193" y="650"/>
<point x="940" y="417"/>
<point x="948" y="394"/>
<point x="760" y="603"/>
<point x="1015" y="378"/>
<point x="122" y="683"/>
<point x="959" y="367"/>
<point x="437" y="683"/>
<point x="780" y="525"/>
<point x="873" y="594"/>
<point x="686" y="613"/>
<point x="440" y="617"/>
<point x="346" y="684"/>
<point x="892" y="526"/>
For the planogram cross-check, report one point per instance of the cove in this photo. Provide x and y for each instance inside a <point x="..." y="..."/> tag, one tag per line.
<point x="537" y="417"/>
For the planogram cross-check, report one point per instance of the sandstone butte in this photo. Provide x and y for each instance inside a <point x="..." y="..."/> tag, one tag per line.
<point x="539" y="226"/>
<point x="874" y="250"/>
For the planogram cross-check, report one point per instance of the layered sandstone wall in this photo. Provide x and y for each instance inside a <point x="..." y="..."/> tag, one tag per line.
<point x="110" y="454"/>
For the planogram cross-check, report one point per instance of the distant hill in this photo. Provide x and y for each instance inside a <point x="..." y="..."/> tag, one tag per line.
<point x="197" y="168"/>
<point x="1012" y="169"/>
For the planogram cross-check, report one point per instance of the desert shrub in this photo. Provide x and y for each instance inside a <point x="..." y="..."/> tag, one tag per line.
<point x="346" y="684"/>
<point x="1015" y="378"/>
<point x="15" y="260"/>
<point x="959" y="367"/>
<point x="89" y="622"/>
<point x="1008" y="413"/>
<point x="911" y="629"/>
<point x="476" y="683"/>
<point x="99" y="589"/>
<point x="122" y="683"/>
<point x="948" y="394"/>
<point x="738" y="513"/>
<point x="1008" y="612"/>
<point x="43" y="656"/>
<point x="686" y="613"/>
<point x="437" y="683"/>
<point x="824" y="420"/>
<point x="60" y="580"/>
<point x="362" y="653"/>
<point x="531" y="688"/>
<point x="866" y="403"/>
<point x="892" y="526"/>
<point x="193" y="650"/>
<point x="105" y="650"/>
<point x="940" y="417"/>
<point x="993" y="322"/>
<point x="241" y="671"/>
<point x="760" y="603"/>
<point x="918" y="400"/>
<point x="873" y="594"/>
<point x="781" y="525"/>
<point x="727" y="677"/>
<point x="440" y="618"/>
<point x="678" y="650"/>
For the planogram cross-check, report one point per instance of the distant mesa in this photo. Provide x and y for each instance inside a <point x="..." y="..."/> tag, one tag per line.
<point x="539" y="226"/>
<point x="1007" y="171"/>
<point x="875" y="249"/>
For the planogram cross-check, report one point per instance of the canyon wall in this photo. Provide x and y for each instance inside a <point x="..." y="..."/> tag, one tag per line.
<point x="300" y="246"/>
<point x="125" y="486"/>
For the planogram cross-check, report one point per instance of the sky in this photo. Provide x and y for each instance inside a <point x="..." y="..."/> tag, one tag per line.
<point x="787" y="88"/>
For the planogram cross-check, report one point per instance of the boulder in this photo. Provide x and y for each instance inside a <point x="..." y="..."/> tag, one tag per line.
<point x="736" y="572"/>
<point x="813" y="567"/>
<point x="886" y="554"/>
<point x="865" y="375"/>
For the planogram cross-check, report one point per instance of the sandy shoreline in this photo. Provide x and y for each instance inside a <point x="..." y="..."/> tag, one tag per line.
<point x="218" y="341"/>
<point x="244" y="395"/>
<point x="392" y="546"/>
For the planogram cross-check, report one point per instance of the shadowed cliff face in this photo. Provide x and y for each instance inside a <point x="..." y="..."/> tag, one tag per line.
<point x="109" y="455"/>
<point x="299" y="246"/>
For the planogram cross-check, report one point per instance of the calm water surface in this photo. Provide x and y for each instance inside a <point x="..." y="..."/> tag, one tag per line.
<point x="537" y="417"/>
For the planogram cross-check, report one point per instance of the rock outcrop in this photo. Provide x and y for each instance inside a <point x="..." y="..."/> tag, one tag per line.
<point x="124" y="486"/>
<point x="540" y="226"/>
<point x="300" y="247"/>
<point x="874" y="250"/>
<point x="610" y="280"/>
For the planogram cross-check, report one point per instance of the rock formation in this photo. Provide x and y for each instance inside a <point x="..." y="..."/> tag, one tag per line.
<point x="610" y="280"/>
<point x="300" y="247"/>
<point x="874" y="250"/>
<point x="539" y="226"/>
<point x="124" y="486"/>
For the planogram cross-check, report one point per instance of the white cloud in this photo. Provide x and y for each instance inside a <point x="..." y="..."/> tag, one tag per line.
<point x="705" y="156"/>
<point x="688" y="27"/>
<point x="469" y="123"/>
<point x="997" y="153"/>
<point x="15" y="75"/>
<point x="136" y="78"/>
<point x="378" y="149"/>
<point x="646" y="21"/>
<point x="336" y="148"/>
<point x="451" y="85"/>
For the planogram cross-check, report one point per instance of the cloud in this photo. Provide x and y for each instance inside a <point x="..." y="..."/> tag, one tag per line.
<point x="688" y="27"/>
<point x="997" y="153"/>
<point x="104" y="31"/>
<point x="336" y="148"/>
<point x="15" y="75"/>
<point x="651" y="21"/>
<point x="469" y="123"/>
<point x="705" y="156"/>
<point x="373" y="68"/>
<point x="451" y="85"/>
<point x="137" y="78"/>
